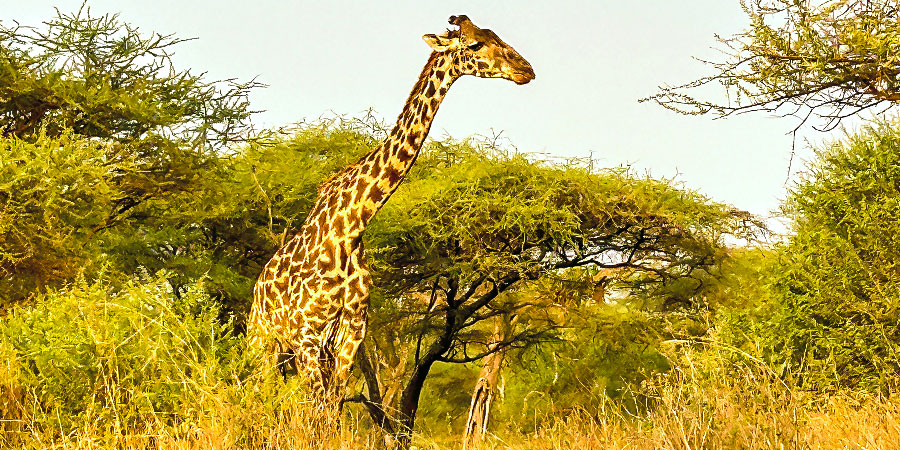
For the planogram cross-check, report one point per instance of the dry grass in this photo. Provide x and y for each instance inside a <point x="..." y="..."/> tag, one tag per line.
<point x="701" y="405"/>
<point x="297" y="426"/>
<point x="735" y="416"/>
<point x="841" y="423"/>
<point x="707" y="402"/>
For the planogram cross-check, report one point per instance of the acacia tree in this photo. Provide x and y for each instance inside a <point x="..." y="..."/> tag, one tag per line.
<point x="105" y="148"/>
<point x="470" y="236"/>
<point x="820" y="59"/>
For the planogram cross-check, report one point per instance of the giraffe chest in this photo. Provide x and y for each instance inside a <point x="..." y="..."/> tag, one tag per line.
<point x="319" y="271"/>
<point x="309" y="287"/>
<point x="328" y="257"/>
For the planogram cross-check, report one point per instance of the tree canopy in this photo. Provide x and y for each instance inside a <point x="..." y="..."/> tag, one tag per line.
<point x="822" y="60"/>
<point x="101" y="136"/>
<point x="100" y="77"/>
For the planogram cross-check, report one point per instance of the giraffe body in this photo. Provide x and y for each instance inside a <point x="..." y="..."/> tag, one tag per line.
<point x="311" y="299"/>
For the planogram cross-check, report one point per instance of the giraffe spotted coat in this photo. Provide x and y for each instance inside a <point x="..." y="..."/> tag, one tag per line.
<point x="311" y="299"/>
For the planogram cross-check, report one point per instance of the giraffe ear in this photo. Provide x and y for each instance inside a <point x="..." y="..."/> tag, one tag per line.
<point x="438" y="43"/>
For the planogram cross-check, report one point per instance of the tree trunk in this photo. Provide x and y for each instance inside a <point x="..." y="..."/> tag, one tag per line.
<point x="409" y="402"/>
<point x="374" y="404"/>
<point x="486" y="386"/>
<point x="482" y="397"/>
<point x="455" y="317"/>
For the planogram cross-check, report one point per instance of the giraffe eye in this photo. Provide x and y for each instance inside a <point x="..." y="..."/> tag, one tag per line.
<point x="476" y="46"/>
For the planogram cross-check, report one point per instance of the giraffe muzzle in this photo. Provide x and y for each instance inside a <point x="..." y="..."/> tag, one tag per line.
<point x="524" y="76"/>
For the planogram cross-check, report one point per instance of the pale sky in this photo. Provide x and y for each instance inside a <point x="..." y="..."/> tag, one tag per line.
<point x="593" y="61"/>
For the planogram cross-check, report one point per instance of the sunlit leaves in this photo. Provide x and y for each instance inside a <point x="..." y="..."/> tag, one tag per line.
<point x="103" y="78"/>
<point x="826" y="59"/>
<point x="837" y="283"/>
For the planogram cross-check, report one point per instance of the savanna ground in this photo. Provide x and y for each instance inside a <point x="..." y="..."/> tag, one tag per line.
<point x="602" y="309"/>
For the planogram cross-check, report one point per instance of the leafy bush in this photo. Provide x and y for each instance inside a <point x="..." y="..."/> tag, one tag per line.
<point x="835" y="316"/>
<point x="129" y="357"/>
<point x="94" y="366"/>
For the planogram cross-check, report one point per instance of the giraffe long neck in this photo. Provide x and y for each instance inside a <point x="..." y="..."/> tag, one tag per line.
<point x="381" y="171"/>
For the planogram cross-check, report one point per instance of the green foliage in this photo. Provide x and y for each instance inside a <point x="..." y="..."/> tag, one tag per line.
<point x="836" y="284"/>
<point x="742" y="305"/>
<point x="69" y="203"/>
<point x="55" y="193"/>
<point x="107" y="152"/>
<point x="828" y="59"/>
<point x="608" y="351"/>
<point x="467" y="208"/>
<point x="742" y="278"/>
<point x="90" y="353"/>
<point x="102" y="78"/>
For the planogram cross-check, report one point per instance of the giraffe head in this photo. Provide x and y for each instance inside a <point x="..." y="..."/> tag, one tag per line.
<point x="481" y="52"/>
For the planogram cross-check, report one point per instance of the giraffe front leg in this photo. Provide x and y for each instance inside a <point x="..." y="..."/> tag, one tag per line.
<point x="354" y="328"/>
<point x="306" y="361"/>
<point x="325" y="420"/>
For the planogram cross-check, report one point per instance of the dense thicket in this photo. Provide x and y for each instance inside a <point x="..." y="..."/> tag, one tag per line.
<point x="834" y="320"/>
<point x="823" y="307"/>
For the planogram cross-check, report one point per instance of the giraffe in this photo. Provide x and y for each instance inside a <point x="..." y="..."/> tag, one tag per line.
<point x="310" y="302"/>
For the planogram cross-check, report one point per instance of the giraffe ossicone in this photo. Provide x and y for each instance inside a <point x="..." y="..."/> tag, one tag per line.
<point x="310" y="302"/>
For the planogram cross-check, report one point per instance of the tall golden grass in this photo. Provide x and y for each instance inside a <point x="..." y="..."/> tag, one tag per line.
<point x="709" y="402"/>
<point x="706" y="402"/>
<point x="223" y="421"/>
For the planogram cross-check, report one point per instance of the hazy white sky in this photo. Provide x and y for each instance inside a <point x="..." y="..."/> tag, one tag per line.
<point x="593" y="60"/>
